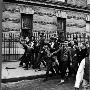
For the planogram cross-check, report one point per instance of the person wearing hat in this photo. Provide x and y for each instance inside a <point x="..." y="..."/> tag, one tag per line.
<point x="64" y="60"/>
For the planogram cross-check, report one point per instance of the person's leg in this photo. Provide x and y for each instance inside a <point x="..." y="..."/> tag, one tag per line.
<point x="85" y="85"/>
<point x="56" y="67"/>
<point x="63" y="71"/>
<point x="49" y="68"/>
<point x="35" y="60"/>
<point x="27" y="60"/>
<point x="74" y="65"/>
<point x="76" y="88"/>
<point x="39" y="59"/>
<point x="70" y="69"/>
<point x="22" y="59"/>
<point x="26" y="65"/>
<point x="43" y="63"/>
<point x="31" y="58"/>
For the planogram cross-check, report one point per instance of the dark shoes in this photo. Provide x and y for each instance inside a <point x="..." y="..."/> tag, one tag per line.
<point x="20" y="65"/>
<point x="45" y="80"/>
<point x="26" y="69"/>
<point x="61" y="82"/>
<point x="76" y="88"/>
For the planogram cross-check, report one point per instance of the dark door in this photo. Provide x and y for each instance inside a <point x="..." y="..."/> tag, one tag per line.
<point x="26" y="24"/>
<point x="61" y="28"/>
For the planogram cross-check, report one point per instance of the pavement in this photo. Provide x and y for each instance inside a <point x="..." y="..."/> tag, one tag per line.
<point x="11" y="72"/>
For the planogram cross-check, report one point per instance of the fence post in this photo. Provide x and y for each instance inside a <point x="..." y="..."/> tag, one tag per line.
<point x="3" y="37"/>
<point x="84" y="37"/>
<point x="9" y="48"/>
<point x="89" y="40"/>
<point x="80" y="37"/>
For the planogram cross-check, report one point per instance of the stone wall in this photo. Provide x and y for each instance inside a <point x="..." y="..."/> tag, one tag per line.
<point x="11" y="17"/>
<point x="73" y="2"/>
<point x="44" y="18"/>
<point x="76" y="22"/>
<point x="77" y="2"/>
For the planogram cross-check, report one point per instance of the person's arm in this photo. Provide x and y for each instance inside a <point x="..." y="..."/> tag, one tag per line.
<point x="69" y="55"/>
<point x="79" y="75"/>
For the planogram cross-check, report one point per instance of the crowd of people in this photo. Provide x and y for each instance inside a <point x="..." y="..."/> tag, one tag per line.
<point x="57" y="56"/>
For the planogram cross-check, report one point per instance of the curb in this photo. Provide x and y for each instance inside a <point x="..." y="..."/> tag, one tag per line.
<point x="22" y="78"/>
<point x="12" y="61"/>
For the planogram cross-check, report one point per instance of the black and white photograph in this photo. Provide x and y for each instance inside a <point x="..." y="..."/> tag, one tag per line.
<point x="45" y="45"/>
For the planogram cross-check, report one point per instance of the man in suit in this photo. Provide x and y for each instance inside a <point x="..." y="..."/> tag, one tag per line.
<point x="23" y="58"/>
<point x="40" y="54"/>
<point x="64" y="60"/>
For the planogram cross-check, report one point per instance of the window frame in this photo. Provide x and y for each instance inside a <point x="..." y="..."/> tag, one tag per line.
<point x="26" y="31"/>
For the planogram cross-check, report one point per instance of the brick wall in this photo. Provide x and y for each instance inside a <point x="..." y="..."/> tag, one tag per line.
<point x="44" y="18"/>
<point x="75" y="22"/>
<point x="11" y="17"/>
<point x="77" y="2"/>
<point x="43" y="15"/>
<point x="74" y="2"/>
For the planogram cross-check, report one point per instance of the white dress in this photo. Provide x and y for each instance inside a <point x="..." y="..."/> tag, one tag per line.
<point x="80" y="73"/>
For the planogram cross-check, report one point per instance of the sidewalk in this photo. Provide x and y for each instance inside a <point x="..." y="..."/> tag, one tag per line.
<point x="11" y="72"/>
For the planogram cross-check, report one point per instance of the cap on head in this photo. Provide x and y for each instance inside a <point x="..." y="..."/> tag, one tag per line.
<point x="65" y="42"/>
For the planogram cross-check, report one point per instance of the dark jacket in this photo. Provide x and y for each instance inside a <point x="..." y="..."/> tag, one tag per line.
<point x="86" y="69"/>
<point x="65" y="54"/>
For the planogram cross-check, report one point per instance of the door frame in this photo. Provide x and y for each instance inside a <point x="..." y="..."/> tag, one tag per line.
<point x="31" y="28"/>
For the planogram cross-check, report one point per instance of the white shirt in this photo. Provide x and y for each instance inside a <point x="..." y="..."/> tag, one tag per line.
<point x="52" y="44"/>
<point x="32" y="44"/>
<point x="80" y="73"/>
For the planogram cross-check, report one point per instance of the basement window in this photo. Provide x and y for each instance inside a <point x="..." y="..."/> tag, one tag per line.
<point x="62" y="0"/>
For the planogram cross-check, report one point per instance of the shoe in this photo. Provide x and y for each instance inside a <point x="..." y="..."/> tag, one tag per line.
<point x="76" y="88"/>
<point x="26" y="69"/>
<point x="61" y="82"/>
<point x="24" y="66"/>
<point x="39" y="69"/>
<point x="45" y="80"/>
<point x="20" y="65"/>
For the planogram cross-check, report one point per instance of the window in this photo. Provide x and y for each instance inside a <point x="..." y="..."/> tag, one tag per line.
<point x="61" y="28"/>
<point x="27" y="24"/>
<point x="88" y="2"/>
<point x="60" y="23"/>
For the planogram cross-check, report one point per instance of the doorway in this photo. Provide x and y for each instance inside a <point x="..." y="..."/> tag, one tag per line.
<point x="26" y="25"/>
<point x="61" y="28"/>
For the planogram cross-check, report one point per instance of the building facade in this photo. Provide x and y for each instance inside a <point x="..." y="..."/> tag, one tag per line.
<point x="47" y="15"/>
<point x="27" y="16"/>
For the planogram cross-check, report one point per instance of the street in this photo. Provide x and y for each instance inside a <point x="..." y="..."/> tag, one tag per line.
<point x="39" y="84"/>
